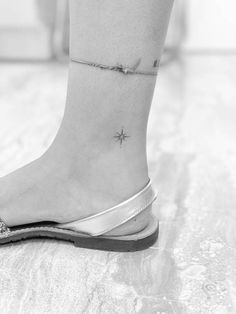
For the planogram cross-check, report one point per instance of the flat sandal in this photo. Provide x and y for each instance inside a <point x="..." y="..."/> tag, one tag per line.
<point x="90" y="232"/>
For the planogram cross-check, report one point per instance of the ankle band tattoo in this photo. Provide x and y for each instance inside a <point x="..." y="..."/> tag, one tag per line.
<point x="121" y="68"/>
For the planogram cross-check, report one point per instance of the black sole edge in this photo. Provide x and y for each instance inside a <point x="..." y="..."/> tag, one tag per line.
<point x="96" y="243"/>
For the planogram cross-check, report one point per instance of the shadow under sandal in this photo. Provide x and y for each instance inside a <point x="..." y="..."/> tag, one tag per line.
<point x="90" y="232"/>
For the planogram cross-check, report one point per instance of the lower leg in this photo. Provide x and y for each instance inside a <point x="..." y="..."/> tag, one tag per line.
<point x="101" y="102"/>
<point x="90" y="167"/>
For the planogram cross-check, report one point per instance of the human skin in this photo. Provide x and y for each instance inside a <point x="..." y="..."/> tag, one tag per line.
<point x="98" y="158"/>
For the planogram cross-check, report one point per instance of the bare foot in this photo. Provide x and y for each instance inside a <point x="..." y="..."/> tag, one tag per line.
<point x="53" y="188"/>
<point x="97" y="160"/>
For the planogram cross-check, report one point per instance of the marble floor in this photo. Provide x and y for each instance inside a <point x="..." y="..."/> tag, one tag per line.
<point x="192" y="158"/>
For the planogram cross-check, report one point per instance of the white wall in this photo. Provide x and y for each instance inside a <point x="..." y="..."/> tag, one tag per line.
<point x="17" y="13"/>
<point x="22" y="34"/>
<point x="211" y="24"/>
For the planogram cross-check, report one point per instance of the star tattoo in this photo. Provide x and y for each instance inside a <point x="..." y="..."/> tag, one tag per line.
<point x="121" y="136"/>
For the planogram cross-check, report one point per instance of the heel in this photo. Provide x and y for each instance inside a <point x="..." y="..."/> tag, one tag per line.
<point x="134" y="225"/>
<point x="128" y="217"/>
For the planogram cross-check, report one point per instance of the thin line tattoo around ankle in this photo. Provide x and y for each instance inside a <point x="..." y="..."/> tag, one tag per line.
<point x="119" y="67"/>
<point x="121" y="136"/>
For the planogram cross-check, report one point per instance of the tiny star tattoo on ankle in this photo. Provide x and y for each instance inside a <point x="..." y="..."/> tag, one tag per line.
<point x="121" y="136"/>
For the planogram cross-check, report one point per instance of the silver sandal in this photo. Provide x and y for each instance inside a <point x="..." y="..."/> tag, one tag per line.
<point x="90" y="232"/>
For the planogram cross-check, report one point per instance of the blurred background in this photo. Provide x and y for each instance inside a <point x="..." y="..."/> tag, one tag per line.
<point x="38" y="29"/>
<point x="192" y="162"/>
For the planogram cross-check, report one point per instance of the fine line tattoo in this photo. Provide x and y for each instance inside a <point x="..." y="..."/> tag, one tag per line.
<point x="121" y="136"/>
<point x="118" y="67"/>
<point x="156" y="64"/>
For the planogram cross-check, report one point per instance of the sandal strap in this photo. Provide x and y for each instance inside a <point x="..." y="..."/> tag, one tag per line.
<point x="111" y="218"/>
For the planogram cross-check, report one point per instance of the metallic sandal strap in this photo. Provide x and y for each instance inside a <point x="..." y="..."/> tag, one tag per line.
<point x="4" y="229"/>
<point x="111" y="218"/>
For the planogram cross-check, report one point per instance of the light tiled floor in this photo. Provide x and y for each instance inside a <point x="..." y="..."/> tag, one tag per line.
<point x="192" y="158"/>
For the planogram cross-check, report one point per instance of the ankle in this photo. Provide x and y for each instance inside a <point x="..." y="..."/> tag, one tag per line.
<point x="103" y="160"/>
<point x="108" y="179"/>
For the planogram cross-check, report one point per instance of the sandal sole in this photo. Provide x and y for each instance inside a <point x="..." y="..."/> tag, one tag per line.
<point x="130" y="243"/>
